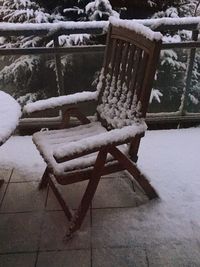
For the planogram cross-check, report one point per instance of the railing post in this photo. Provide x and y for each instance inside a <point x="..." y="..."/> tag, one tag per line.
<point x="59" y="76"/>
<point x="190" y="65"/>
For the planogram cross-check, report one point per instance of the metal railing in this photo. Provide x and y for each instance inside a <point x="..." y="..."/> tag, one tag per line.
<point x="53" y="31"/>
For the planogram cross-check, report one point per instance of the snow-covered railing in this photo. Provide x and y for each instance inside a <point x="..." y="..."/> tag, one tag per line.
<point x="60" y="28"/>
<point x="92" y="27"/>
<point x="53" y="31"/>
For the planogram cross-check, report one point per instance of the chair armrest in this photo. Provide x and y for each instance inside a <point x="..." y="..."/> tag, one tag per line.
<point x="94" y="143"/>
<point x="60" y="101"/>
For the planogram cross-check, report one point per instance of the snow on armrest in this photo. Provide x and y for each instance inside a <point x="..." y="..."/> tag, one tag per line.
<point x="59" y="101"/>
<point x="91" y="144"/>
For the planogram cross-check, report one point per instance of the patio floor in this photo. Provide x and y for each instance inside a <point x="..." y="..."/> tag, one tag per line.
<point x="122" y="227"/>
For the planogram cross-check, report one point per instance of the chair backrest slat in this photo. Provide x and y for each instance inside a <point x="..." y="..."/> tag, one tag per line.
<point x="127" y="76"/>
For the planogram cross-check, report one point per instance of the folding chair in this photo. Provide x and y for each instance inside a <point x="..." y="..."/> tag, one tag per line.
<point x="109" y="144"/>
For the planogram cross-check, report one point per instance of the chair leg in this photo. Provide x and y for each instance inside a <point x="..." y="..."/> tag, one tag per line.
<point x="59" y="197"/>
<point x="134" y="147"/>
<point x="45" y="179"/>
<point x="134" y="171"/>
<point x="1" y="182"/>
<point x="89" y="192"/>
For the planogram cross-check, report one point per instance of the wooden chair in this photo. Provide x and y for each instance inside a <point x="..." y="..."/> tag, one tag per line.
<point x="111" y="143"/>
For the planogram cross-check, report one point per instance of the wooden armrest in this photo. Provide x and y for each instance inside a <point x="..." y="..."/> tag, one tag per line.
<point x="60" y="101"/>
<point x="94" y="143"/>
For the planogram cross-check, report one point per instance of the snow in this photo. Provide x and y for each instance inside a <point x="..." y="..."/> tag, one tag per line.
<point x="97" y="141"/>
<point x="193" y="99"/>
<point x="52" y="27"/>
<point x="118" y="107"/>
<point x="60" y="101"/>
<point x="81" y="26"/>
<point x="155" y="94"/>
<point x="170" y="159"/>
<point x="172" y="39"/>
<point x="137" y="27"/>
<point x="66" y="142"/>
<point x="99" y="8"/>
<point x="10" y="112"/>
<point x="20" y="153"/>
<point x="154" y="23"/>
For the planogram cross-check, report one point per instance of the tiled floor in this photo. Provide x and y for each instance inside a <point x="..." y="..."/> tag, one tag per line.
<point x="32" y="224"/>
<point x="115" y="233"/>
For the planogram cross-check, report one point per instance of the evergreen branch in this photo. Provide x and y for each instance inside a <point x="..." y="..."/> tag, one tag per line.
<point x="196" y="8"/>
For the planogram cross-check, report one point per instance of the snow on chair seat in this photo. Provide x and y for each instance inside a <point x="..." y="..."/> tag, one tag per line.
<point x="111" y="144"/>
<point x="49" y="141"/>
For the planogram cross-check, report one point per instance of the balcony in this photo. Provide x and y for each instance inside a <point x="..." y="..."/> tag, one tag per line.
<point x="122" y="227"/>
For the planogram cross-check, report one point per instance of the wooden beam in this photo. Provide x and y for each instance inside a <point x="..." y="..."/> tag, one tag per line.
<point x="129" y="3"/>
<point x="52" y="50"/>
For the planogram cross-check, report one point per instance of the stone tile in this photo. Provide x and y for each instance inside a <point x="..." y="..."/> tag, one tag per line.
<point x="137" y="227"/>
<point x="112" y="227"/>
<point x="112" y="192"/>
<point x="195" y="220"/>
<point x="21" y="175"/>
<point x="5" y="174"/>
<point x="115" y="193"/>
<point x="22" y="197"/>
<point x="72" y="194"/>
<point x="18" y="260"/>
<point x="119" y="257"/>
<point x="120" y="174"/>
<point x="72" y="258"/>
<point x="19" y="232"/>
<point x="2" y="191"/>
<point x="55" y="227"/>
<point x="182" y="254"/>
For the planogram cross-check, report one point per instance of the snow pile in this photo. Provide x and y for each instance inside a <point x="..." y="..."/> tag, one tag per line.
<point x="137" y="27"/>
<point x="20" y="153"/>
<point x="10" y="112"/>
<point x="60" y="101"/>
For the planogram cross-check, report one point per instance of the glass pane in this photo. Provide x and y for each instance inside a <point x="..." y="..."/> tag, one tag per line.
<point x="170" y="80"/>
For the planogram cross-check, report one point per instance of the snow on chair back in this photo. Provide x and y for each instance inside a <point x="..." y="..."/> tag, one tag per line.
<point x="128" y="71"/>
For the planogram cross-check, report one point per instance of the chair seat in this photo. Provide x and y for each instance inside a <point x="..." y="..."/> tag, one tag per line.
<point x="48" y="141"/>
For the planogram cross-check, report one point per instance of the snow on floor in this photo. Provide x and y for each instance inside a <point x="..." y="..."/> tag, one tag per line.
<point x="20" y="153"/>
<point x="170" y="158"/>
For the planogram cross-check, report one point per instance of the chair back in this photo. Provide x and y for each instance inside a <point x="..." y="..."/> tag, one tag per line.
<point x="126" y="79"/>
